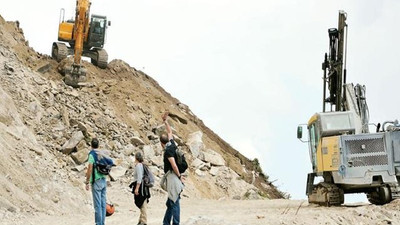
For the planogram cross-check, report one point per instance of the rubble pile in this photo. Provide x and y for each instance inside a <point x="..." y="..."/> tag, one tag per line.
<point x="48" y="127"/>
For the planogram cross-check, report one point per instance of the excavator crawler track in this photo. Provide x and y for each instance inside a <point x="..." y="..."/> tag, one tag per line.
<point x="326" y="194"/>
<point x="383" y="194"/>
<point x="395" y="191"/>
<point x="101" y="59"/>
<point x="59" y="51"/>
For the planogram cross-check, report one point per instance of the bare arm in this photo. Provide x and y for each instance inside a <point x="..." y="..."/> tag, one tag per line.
<point x="174" y="166"/>
<point x="167" y="126"/>
<point x="88" y="174"/>
<point x="137" y="188"/>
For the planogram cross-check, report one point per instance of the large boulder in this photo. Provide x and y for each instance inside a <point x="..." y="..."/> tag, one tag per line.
<point x="158" y="150"/>
<point x="81" y="156"/>
<point x="155" y="170"/>
<point x="129" y="150"/>
<point x="160" y="129"/>
<point x="178" y="118"/>
<point x="151" y="136"/>
<point x="178" y="140"/>
<point x="214" y="170"/>
<point x="136" y="141"/>
<point x="200" y="173"/>
<point x="148" y="152"/>
<point x="157" y="161"/>
<point x="71" y="144"/>
<point x="195" y="143"/>
<point x="205" y="167"/>
<point x="197" y="164"/>
<point x="212" y="157"/>
<point x="10" y="120"/>
<point x="84" y="130"/>
<point x="117" y="172"/>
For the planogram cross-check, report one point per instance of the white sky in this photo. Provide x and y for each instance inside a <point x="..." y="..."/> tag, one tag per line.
<point x="250" y="69"/>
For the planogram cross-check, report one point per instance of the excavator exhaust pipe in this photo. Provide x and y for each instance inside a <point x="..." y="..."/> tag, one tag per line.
<point x="75" y="75"/>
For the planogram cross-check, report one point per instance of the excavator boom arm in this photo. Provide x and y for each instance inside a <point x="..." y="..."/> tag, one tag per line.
<point x="334" y="70"/>
<point x="81" y="28"/>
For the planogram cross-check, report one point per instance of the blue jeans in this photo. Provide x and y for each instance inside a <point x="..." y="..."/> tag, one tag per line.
<point x="173" y="212"/>
<point x="99" y="188"/>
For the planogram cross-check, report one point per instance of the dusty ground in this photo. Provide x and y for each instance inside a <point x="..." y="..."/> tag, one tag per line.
<point x="223" y="212"/>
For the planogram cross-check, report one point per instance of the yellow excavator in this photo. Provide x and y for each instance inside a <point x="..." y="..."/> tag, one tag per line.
<point x="85" y="36"/>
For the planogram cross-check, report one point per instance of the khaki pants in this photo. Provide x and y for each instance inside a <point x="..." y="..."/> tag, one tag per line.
<point x="143" y="213"/>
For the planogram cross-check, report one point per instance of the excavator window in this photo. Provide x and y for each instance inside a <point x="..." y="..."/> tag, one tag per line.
<point x="98" y="25"/>
<point x="97" y="28"/>
<point x="314" y="138"/>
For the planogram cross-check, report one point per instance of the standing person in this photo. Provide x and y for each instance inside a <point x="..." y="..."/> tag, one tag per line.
<point x="173" y="178"/>
<point x="99" y="184"/>
<point x="142" y="193"/>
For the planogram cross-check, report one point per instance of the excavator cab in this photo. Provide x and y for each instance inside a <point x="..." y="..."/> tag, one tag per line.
<point x="97" y="32"/>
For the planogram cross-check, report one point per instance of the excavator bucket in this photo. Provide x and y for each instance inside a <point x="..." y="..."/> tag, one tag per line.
<point x="75" y="75"/>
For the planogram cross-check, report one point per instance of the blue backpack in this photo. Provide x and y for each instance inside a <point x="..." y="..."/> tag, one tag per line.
<point x="102" y="165"/>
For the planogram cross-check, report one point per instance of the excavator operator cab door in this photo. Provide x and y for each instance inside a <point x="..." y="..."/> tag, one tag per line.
<point x="313" y="144"/>
<point x="313" y="139"/>
<point x="97" y="31"/>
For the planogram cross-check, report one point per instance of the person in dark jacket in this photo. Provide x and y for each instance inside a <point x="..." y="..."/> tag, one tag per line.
<point x="172" y="177"/>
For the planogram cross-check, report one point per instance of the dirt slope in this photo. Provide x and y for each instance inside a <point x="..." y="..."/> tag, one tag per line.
<point x="46" y="127"/>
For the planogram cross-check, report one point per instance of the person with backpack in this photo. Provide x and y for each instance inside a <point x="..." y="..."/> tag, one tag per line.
<point x="139" y="188"/>
<point x="172" y="178"/>
<point x="99" y="166"/>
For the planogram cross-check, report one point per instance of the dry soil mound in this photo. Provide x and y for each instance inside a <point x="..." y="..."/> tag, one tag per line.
<point x="46" y="127"/>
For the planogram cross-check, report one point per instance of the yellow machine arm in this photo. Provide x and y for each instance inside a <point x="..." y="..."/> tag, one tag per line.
<point x="81" y="28"/>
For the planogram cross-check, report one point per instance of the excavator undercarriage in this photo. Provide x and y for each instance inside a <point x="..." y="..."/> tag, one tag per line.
<point x="330" y="194"/>
<point x="326" y="194"/>
<point x="75" y="74"/>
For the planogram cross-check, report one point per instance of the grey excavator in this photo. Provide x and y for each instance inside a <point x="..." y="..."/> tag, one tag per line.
<point x="343" y="152"/>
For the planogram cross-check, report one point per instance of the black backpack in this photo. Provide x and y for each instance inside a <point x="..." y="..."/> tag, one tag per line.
<point x="180" y="160"/>
<point x="179" y="157"/>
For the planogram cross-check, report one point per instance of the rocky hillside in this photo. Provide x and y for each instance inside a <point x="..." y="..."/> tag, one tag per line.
<point x="46" y="127"/>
